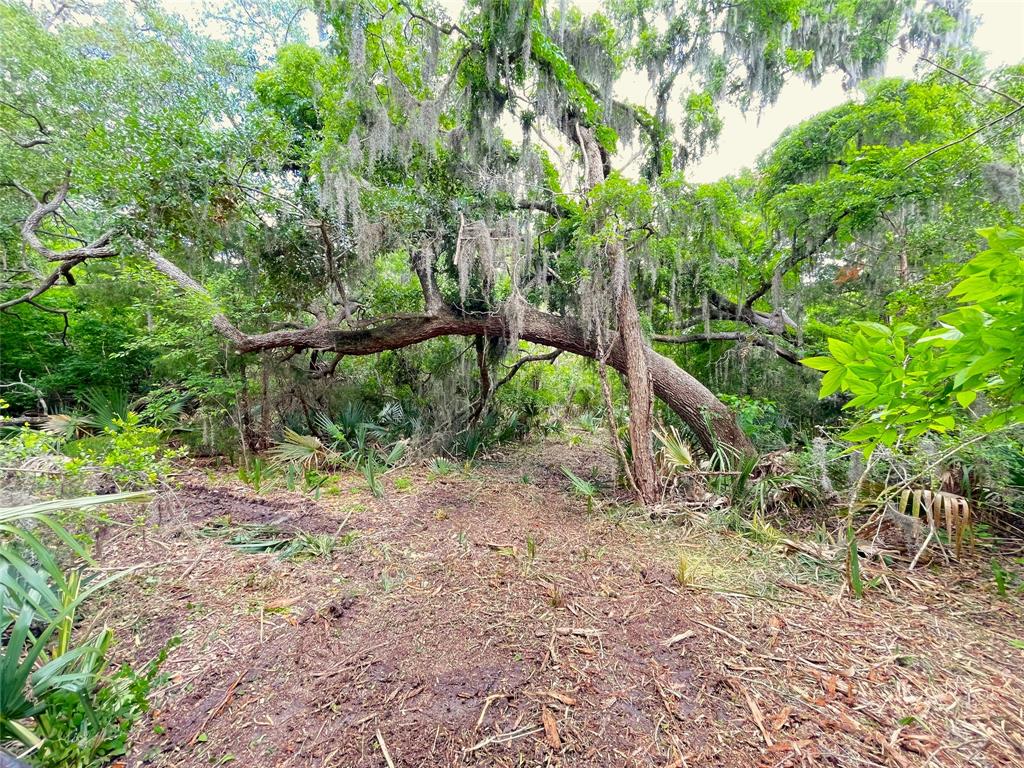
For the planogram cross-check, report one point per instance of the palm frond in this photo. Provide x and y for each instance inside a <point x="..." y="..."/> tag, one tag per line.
<point x="306" y="450"/>
<point x="106" y="406"/>
<point x="392" y="414"/>
<point x="941" y="509"/>
<point x="330" y="429"/>
<point x="580" y="487"/>
<point x="674" y="455"/>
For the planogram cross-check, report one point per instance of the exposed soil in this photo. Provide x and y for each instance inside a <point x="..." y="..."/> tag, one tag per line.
<point x="488" y="619"/>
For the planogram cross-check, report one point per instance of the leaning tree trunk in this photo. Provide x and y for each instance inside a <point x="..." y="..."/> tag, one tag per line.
<point x="706" y="416"/>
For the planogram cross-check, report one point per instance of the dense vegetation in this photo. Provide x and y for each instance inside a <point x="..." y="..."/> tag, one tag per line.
<point x="408" y="238"/>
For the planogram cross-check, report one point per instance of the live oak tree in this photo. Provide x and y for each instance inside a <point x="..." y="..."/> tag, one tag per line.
<point x="503" y="156"/>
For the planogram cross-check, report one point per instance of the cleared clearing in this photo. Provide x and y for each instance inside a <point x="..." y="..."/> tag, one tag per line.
<point x="486" y="618"/>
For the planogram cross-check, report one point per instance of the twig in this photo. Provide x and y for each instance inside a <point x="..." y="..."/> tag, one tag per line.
<point x="216" y="710"/>
<point x="487" y="705"/>
<point x="962" y="139"/>
<point x="719" y="630"/>
<point x="384" y="749"/>
<point x="502" y="738"/>
<point x="755" y="713"/>
<point x="924" y="546"/>
<point x="578" y="631"/>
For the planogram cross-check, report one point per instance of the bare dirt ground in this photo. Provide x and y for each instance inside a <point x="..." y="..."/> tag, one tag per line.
<point x="488" y="619"/>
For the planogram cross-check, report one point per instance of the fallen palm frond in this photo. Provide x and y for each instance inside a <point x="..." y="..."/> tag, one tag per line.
<point x="259" y="538"/>
<point x="941" y="509"/>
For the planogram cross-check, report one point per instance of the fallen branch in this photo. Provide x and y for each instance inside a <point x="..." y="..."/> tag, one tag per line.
<point x="503" y="738"/>
<point x="384" y="749"/>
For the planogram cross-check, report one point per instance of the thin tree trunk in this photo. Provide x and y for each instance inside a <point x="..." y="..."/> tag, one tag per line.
<point x="485" y="381"/>
<point x="635" y="370"/>
<point x="266" y="416"/>
<point x="641" y="395"/>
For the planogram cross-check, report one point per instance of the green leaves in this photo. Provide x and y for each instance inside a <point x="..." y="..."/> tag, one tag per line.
<point x="37" y="664"/>
<point x="831" y="382"/>
<point x="905" y="382"/>
<point x="820" y="363"/>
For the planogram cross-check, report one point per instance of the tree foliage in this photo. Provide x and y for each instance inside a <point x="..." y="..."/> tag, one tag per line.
<point x="966" y="372"/>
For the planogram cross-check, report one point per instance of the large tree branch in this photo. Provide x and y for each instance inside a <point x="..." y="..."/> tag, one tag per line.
<point x="706" y="416"/>
<point x="29" y="297"/>
<point x="720" y="307"/>
<point x="99" y="248"/>
<point x="40" y="126"/>
<point x="748" y="338"/>
<point x="965" y="137"/>
<point x="549" y="207"/>
<point x="796" y="257"/>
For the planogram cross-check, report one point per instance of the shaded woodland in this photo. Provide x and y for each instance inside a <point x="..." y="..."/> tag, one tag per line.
<point x="377" y="388"/>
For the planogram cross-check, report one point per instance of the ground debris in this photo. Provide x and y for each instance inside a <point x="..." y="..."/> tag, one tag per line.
<point x="416" y="646"/>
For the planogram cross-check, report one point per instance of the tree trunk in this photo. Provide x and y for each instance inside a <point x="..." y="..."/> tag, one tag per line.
<point x="705" y="415"/>
<point x="641" y="399"/>
<point x="635" y="370"/>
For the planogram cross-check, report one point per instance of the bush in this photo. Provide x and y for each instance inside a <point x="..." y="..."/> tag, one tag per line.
<point x="128" y="453"/>
<point x="87" y="731"/>
<point x="133" y="455"/>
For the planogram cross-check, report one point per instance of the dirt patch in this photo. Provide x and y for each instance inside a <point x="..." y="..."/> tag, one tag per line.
<point x="196" y="503"/>
<point x="480" y="619"/>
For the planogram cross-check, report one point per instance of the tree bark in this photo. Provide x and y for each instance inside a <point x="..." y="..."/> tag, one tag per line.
<point x="641" y="398"/>
<point x="485" y="381"/>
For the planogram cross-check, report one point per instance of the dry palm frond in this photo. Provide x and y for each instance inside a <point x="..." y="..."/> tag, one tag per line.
<point x="65" y="424"/>
<point x="940" y="508"/>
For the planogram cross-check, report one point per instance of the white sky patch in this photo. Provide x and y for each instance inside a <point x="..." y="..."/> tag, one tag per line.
<point x="1000" y="35"/>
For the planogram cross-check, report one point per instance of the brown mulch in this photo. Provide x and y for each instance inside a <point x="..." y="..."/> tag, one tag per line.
<point x="487" y="619"/>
